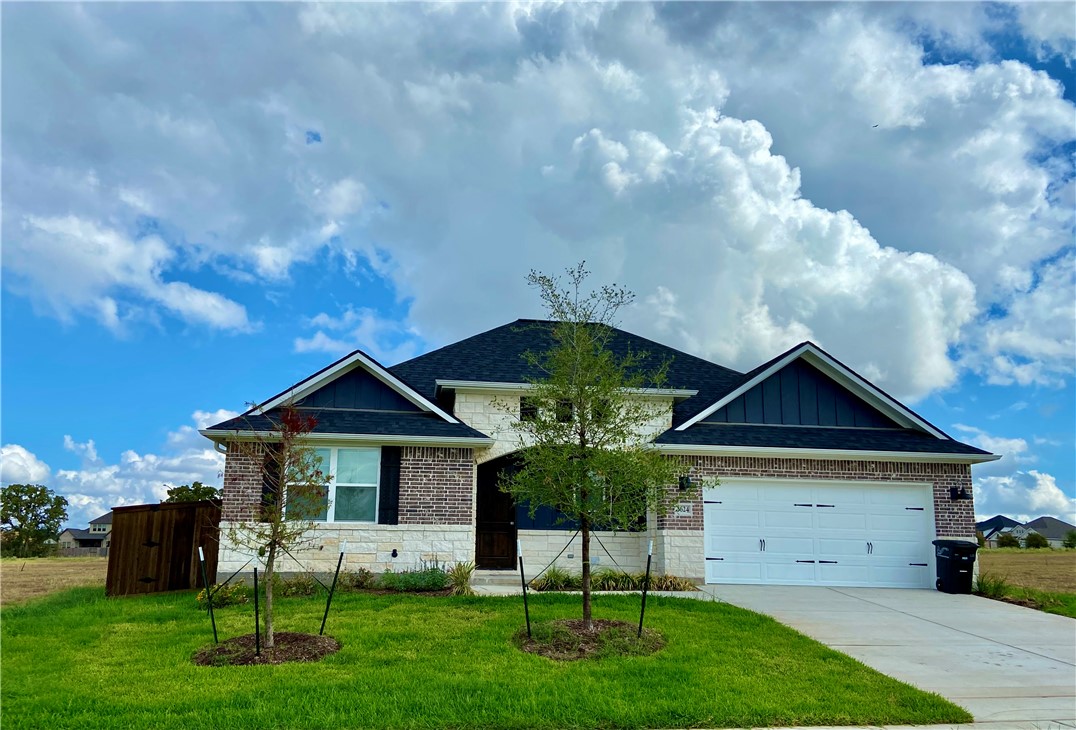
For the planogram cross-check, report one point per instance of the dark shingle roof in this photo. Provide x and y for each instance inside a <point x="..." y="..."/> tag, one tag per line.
<point x="377" y="423"/>
<point x="84" y="534"/>
<point x="105" y="519"/>
<point x="996" y="522"/>
<point x="1050" y="527"/>
<point x="496" y="356"/>
<point x="813" y="437"/>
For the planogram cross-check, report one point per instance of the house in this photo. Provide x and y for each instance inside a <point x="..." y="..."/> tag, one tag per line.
<point x="96" y="536"/>
<point x="1053" y="529"/>
<point x="824" y="478"/>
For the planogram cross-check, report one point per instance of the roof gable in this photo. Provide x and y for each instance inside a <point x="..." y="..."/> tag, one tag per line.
<point x="1050" y="527"/>
<point x="880" y="402"/>
<point x="799" y="394"/>
<point x="372" y="384"/>
<point x="357" y="389"/>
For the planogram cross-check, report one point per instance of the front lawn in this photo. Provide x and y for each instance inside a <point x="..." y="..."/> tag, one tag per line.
<point x="79" y="660"/>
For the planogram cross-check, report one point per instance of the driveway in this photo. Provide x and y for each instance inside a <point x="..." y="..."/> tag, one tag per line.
<point x="1004" y="663"/>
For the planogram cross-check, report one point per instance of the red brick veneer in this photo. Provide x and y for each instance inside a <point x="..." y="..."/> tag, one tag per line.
<point x="436" y="484"/>
<point x="951" y="518"/>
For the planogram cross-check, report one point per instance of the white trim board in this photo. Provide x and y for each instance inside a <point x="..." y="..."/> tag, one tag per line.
<point x="846" y="377"/>
<point x="344" y="366"/>
<point x="821" y="454"/>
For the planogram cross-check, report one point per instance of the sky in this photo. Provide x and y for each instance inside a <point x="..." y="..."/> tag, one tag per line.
<point x="204" y="203"/>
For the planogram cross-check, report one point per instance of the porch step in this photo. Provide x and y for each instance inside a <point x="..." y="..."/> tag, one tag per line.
<point x="508" y="578"/>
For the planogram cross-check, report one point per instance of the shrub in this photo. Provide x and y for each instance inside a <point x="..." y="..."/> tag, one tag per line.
<point x="1035" y="540"/>
<point x="1070" y="539"/>
<point x="1007" y="540"/>
<point x="671" y="583"/>
<point x="980" y="538"/>
<point x="302" y="584"/>
<point x="421" y="580"/>
<point x="358" y="580"/>
<point x="556" y="578"/>
<point x="991" y="586"/>
<point x="459" y="579"/>
<point x="229" y="594"/>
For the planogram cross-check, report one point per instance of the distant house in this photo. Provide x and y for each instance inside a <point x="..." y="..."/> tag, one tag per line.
<point x="1053" y="529"/>
<point x="98" y="535"/>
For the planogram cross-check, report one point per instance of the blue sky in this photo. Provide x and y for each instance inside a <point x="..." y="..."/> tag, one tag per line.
<point x="205" y="203"/>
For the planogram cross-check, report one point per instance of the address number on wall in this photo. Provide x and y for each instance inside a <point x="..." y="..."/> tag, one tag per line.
<point x="684" y="509"/>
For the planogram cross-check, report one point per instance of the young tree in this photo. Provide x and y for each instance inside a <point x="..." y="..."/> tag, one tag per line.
<point x="195" y="492"/>
<point x="30" y="514"/>
<point x="1070" y="540"/>
<point x="294" y="494"/>
<point x="582" y="451"/>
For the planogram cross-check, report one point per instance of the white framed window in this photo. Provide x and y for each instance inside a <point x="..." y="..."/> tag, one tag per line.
<point x="353" y="490"/>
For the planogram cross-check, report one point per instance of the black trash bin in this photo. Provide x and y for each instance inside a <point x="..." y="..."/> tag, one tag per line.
<point x="955" y="559"/>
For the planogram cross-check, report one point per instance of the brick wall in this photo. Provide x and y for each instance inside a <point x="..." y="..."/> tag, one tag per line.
<point x="242" y="491"/>
<point x="436" y="486"/>
<point x="952" y="518"/>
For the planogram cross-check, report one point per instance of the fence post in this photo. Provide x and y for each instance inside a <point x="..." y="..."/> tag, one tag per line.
<point x="208" y="593"/>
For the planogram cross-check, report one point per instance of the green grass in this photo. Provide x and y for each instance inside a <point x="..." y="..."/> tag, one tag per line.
<point x="994" y="586"/>
<point x="78" y="660"/>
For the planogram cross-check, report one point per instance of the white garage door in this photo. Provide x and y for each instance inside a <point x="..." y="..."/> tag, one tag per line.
<point x="791" y="532"/>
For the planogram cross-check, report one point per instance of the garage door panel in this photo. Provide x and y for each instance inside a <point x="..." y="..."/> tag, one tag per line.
<point x="720" y="546"/>
<point x="872" y="534"/>
<point x="724" y="517"/>
<point x="790" y="572"/>
<point x="790" y="519"/>
<point x="829" y="548"/>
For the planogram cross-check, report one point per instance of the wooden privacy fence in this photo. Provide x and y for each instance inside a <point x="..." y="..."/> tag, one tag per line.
<point x="155" y="547"/>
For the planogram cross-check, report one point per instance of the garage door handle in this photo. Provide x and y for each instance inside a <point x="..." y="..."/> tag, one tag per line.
<point x="915" y="509"/>
<point x="715" y="558"/>
<point x="825" y="505"/>
<point x="918" y="565"/>
<point x="828" y="562"/>
<point x="802" y="505"/>
<point x="710" y="501"/>
<point x="804" y="561"/>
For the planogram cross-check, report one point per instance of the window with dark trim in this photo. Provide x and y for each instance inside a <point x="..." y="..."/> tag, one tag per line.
<point x="528" y="409"/>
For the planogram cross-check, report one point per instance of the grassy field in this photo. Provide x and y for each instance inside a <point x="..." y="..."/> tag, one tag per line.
<point x="77" y="659"/>
<point x="1042" y="579"/>
<point x="21" y="579"/>
<point x="1044" y="570"/>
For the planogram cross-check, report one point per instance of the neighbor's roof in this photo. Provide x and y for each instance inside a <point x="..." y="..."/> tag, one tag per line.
<point x="497" y="356"/>
<point x="997" y="522"/>
<point x="105" y="519"/>
<point x="1050" y="527"/>
<point x="84" y="534"/>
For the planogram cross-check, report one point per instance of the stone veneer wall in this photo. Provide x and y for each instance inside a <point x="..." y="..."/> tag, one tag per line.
<point x="540" y="547"/>
<point x="952" y="519"/>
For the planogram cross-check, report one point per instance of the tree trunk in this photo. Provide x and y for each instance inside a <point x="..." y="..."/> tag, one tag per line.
<point x="584" y="532"/>
<point x="270" y="564"/>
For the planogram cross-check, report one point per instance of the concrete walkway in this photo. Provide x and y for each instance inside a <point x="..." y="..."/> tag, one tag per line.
<point x="1011" y="667"/>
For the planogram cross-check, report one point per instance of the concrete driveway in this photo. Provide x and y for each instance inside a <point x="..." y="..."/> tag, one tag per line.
<point x="1004" y="663"/>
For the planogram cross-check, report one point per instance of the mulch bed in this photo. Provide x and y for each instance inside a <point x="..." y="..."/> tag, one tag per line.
<point x="290" y="647"/>
<point x="567" y="640"/>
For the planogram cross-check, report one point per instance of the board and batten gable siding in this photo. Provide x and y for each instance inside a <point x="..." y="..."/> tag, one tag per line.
<point x="952" y="518"/>
<point x="800" y="395"/>
<point x="436" y="485"/>
<point x="357" y="389"/>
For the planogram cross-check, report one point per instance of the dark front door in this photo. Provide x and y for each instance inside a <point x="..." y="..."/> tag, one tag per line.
<point x="495" y="521"/>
